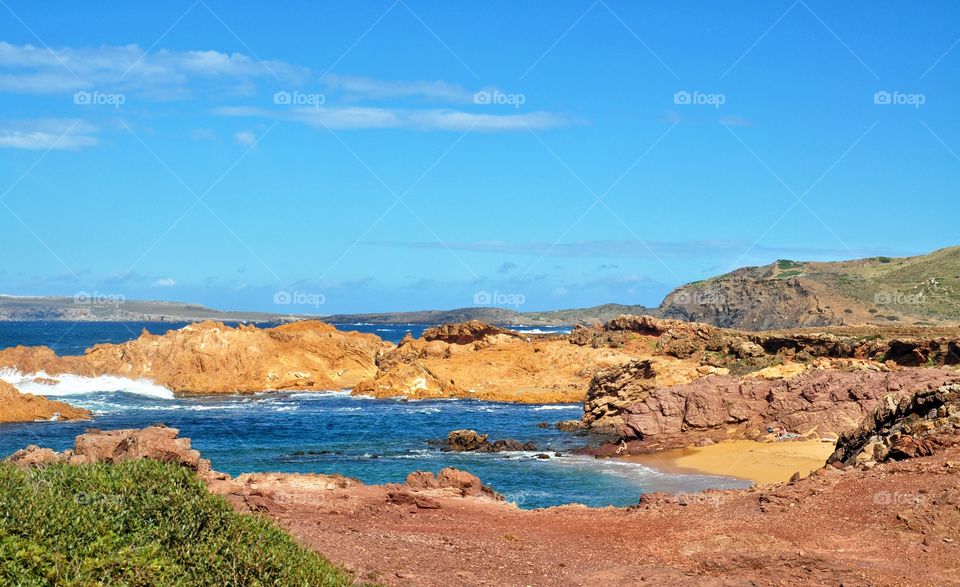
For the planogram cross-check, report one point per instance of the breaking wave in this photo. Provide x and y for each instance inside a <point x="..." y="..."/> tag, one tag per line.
<point x="64" y="385"/>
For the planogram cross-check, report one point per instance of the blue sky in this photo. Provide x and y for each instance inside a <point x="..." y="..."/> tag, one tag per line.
<point x="404" y="155"/>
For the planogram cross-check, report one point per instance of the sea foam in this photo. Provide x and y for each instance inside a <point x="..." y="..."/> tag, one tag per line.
<point x="68" y="384"/>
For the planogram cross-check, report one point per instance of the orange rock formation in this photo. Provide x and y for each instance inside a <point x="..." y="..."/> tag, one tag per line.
<point x="23" y="407"/>
<point x="210" y="357"/>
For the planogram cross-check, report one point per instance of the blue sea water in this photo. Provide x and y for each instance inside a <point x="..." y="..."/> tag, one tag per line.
<point x="373" y="440"/>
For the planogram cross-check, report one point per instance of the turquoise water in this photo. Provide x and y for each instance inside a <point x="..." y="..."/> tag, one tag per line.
<point x="373" y="440"/>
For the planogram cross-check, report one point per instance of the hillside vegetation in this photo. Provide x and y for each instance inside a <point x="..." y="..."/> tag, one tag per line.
<point x="922" y="290"/>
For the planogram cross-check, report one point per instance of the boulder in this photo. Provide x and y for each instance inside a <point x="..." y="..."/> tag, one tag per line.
<point x="422" y="480"/>
<point x="471" y="441"/>
<point x="116" y="446"/>
<point x="466" y="441"/>
<point x="467" y="483"/>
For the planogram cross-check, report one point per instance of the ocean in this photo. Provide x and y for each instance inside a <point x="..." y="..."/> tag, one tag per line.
<point x="374" y="440"/>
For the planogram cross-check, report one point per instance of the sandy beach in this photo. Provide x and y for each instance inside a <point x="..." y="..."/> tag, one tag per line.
<point x="761" y="462"/>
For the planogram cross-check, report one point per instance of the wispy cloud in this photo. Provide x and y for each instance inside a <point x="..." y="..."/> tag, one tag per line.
<point x="48" y="133"/>
<point x="342" y="118"/>
<point x="356" y="88"/>
<point x="245" y="138"/>
<point x="625" y="249"/>
<point x="159" y="74"/>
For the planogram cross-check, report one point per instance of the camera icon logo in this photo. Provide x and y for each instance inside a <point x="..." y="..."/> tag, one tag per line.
<point x="282" y="98"/>
<point x="483" y="98"/>
<point x="682" y="98"/>
<point x="82" y="98"/>
<point x="282" y="298"/>
<point x="883" y="98"/>
<point x="482" y="298"/>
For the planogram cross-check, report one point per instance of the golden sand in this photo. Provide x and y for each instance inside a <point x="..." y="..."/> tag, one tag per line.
<point x="760" y="462"/>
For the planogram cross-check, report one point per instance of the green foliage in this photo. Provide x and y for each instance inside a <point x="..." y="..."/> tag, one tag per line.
<point x="788" y="264"/>
<point x="139" y="523"/>
<point x="788" y="274"/>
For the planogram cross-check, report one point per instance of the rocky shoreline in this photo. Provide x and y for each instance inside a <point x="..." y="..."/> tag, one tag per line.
<point x="888" y="518"/>
<point x="628" y="369"/>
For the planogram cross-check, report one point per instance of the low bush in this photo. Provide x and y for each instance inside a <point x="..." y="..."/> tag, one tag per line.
<point x="139" y="523"/>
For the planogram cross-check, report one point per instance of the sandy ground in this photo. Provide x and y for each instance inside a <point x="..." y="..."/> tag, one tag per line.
<point x="761" y="462"/>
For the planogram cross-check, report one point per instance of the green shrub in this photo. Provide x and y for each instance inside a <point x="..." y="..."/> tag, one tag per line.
<point x="139" y="523"/>
<point x="788" y="264"/>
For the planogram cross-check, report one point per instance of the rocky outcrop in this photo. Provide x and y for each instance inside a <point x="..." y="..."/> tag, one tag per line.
<point x="214" y="358"/>
<point x="743" y="351"/>
<point x="903" y="427"/>
<point x="815" y="404"/>
<point x="158" y="443"/>
<point x="23" y="407"/>
<point x="467" y="332"/>
<point x="471" y="441"/>
<point x="751" y="301"/>
<point x="484" y="362"/>
<point x="613" y="390"/>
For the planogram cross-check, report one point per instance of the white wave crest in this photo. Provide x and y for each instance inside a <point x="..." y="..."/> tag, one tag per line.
<point x="62" y="385"/>
<point x="577" y="407"/>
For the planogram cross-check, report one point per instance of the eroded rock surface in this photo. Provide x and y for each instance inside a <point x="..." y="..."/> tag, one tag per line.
<point x="903" y="427"/>
<point x="214" y="358"/>
<point x="158" y="443"/>
<point x="484" y="362"/>
<point x="816" y="404"/>
<point x="23" y="407"/>
<point x="471" y="441"/>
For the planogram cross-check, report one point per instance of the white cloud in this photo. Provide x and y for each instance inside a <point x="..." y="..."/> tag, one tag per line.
<point x="245" y="138"/>
<point x="164" y="282"/>
<point x="48" y="133"/>
<point x="364" y="88"/>
<point x="160" y="74"/>
<point x="338" y="118"/>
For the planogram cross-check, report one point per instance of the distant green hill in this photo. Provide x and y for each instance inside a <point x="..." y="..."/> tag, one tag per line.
<point x="877" y="290"/>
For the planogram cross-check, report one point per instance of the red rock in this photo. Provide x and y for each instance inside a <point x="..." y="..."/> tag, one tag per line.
<point x="421" y="480"/>
<point x="467" y="483"/>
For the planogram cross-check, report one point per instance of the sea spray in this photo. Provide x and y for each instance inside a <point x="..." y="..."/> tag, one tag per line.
<point x="41" y="383"/>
